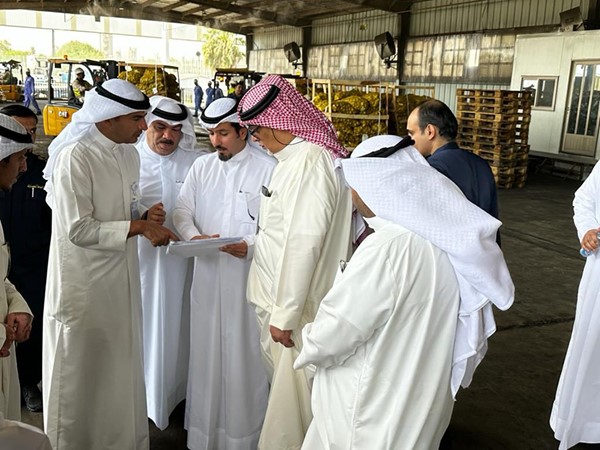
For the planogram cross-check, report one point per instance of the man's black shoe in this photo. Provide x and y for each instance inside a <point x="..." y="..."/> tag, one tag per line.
<point x="32" y="397"/>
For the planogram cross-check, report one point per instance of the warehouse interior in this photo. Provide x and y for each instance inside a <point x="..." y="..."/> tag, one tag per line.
<point x="518" y="73"/>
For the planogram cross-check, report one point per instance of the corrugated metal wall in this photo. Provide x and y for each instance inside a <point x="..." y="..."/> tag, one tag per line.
<point x="350" y="28"/>
<point x="277" y="37"/>
<point x="358" y="61"/>
<point x="432" y="17"/>
<point x="270" y="61"/>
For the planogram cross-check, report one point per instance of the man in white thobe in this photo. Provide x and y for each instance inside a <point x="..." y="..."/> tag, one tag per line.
<point x="16" y="435"/>
<point x="228" y="386"/>
<point x="166" y="154"/>
<point x="576" y="410"/>
<point x="384" y="338"/>
<point x="304" y="232"/>
<point x="93" y="376"/>
<point x="15" y="315"/>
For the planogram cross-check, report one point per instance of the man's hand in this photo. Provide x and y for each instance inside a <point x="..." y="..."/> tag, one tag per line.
<point x="284" y="337"/>
<point x="21" y="324"/>
<point x="157" y="214"/>
<point x="590" y="240"/>
<point x="205" y="236"/>
<point x="157" y="234"/>
<point x="10" y="338"/>
<point x="239" y="249"/>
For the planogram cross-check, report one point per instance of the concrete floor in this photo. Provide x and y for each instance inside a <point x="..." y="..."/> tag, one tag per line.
<point x="508" y="404"/>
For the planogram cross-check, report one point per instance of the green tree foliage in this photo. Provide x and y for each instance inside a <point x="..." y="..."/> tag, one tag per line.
<point x="7" y="52"/>
<point x="79" y="50"/>
<point x="221" y="49"/>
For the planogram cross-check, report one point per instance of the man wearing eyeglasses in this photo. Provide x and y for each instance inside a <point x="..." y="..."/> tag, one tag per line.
<point x="304" y="232"/>
<point x="227" y="384"/>
<point x="27" y="222"/>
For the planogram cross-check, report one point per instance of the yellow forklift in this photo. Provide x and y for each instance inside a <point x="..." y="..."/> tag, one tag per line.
<point x="62" y="99"/>
<point x="11" y="81"/>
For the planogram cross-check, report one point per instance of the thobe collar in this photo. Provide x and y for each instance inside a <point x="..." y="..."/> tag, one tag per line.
<point x="147" y="151"/>
<point x="238" y="158"/>
<point x="102" y="140"/>
<point x="288" y="150"/>
<point x="377" y="223"/>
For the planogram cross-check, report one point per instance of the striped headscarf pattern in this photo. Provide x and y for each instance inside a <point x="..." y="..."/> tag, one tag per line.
<point x="289" y="111"/>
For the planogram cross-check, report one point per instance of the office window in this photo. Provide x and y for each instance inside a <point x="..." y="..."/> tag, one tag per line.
<point x="544" y="89"/>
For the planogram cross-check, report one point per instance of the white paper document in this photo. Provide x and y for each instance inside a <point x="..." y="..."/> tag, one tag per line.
<point x="200" y="247"/>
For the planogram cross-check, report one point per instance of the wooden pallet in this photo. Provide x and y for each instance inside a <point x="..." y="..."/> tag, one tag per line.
<point x="510" y="181"/>
<point x="495" y="159"/>
<point x="493" y="93"/>
<point x="494" y="101"/>
<point x="494" y="132"/>
<point x="494" y="109"/>
<point x="515" y="117"/>
<point x="506" y="138"/>
<point x="501" y="149"/>
<point x="491" y="125"/>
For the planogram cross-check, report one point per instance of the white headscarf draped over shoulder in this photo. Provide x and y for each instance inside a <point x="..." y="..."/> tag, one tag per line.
<point x="401" y="187"/>
<point x="13" y="137"/>
<point x="173" y="113"/>
<point x="112" y="99"/>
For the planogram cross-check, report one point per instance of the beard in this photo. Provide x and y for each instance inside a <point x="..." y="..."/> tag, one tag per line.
<point x="224" y="156"/>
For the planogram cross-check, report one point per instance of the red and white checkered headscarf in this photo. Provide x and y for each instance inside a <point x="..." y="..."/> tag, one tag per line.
<point x="291" y="112"/>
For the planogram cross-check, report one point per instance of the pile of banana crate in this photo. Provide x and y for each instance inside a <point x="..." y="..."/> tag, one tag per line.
<point x="494" y="124"/>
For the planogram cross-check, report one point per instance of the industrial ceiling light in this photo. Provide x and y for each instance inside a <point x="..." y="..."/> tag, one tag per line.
<point x="386" y="49"/>
<point x="293" y="54"/>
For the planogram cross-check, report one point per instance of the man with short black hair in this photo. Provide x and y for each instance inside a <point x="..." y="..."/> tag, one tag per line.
<point x="210" y="94"/>
<point x="198" y="93"/>
<point x="29" y="93"/>
<point x="238" y="92"/>
<point x="93" y="375"/>
<point x="434" y="128"/>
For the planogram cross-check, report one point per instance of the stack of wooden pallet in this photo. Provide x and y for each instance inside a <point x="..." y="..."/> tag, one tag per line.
<point x="494" y="124"/>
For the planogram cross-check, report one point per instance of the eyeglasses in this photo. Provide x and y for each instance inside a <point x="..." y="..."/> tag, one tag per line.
<point x="253" y="129"/>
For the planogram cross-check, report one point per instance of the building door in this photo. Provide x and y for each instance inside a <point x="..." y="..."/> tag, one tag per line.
<point x="582" y="112"/>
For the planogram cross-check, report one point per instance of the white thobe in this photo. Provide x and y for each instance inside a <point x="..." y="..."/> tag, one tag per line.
<point x="10" y="302"/>
<point x="304" y="232"/>
<point x="382" y="343"/>
<point x="93" y="375"/>
<point x="576" y="411"/>
<point x="16" y="435"/>
<point x="228" y="385"/>
<point x="166" y="281"/>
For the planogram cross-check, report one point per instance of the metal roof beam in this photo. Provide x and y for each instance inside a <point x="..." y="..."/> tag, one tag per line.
<point x="147" y="3"/>
<point x="394" y="6"/>
<point x="253" y="12"/>
<point x="193" y="10"/>
<point x="174" y="5"/>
